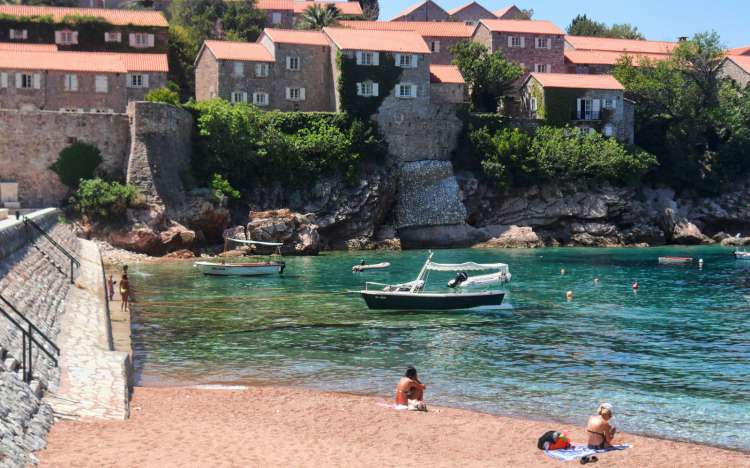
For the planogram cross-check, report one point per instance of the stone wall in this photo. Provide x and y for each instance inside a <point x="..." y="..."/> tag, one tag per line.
<point x="31" y="141"/>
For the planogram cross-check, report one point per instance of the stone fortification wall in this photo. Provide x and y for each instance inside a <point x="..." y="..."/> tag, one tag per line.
<point x="31" y="141"/>
<point x="160" y="151"/>
<point x="34" y="278"/>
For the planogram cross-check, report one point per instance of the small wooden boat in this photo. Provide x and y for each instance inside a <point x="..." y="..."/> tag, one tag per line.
<point x="375" y="266"/>
<point x="741" y="255"/>
<point x="411" y="295"/>
<point x="675" y="260"/>
<point x="222" y="268"/>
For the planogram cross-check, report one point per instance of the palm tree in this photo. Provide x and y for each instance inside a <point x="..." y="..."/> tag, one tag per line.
<point x="318" y="16"/>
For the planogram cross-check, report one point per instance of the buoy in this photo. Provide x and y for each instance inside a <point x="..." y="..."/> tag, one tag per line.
<point x="596" y="280"/>
<point x="569" y="295"/>
<point x="700" y="262"/>
<point x="562" y="271"/>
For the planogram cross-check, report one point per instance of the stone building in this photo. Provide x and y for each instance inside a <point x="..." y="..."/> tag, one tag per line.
<point x="599" y="55"/>
<point x="536" y="45"/>
<point x="510" y="12"/>
<point x="737" y="67"/>
<point x="471" y="12"/>
<point x="447" y="84"/>
<point x="138" y="31"/>
<point x="284" y="13"/>
<point x="424" y="11"/>
<point x="40" y="78"/>
<point x="588" y="102"/>
<point x="439" y="36"/>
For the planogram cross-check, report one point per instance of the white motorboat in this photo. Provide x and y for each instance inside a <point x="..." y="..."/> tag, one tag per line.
<point x="375" y="266"/>
<point x="741" y="255"/>
<point x="261" y="268"/>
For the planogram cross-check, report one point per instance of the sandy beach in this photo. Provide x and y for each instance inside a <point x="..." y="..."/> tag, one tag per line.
<point x="272" y="426"/>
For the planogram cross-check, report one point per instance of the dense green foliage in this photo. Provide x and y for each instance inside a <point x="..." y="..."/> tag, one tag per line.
<point x="222" y="190"/>
<point x="582" y="25"/>
<point x="370" y="9"/>
<point x="692" y="119"/>
<point x="77" y="161"/>
<point x="318" y="16"/>
<point x="170" y="94"/>
<point x="489" y="76"/>
<point x="248" y="146"/>
<point x="386" y="74"/>
<point x="104" y="201"/>
<point x="511" y="157"/>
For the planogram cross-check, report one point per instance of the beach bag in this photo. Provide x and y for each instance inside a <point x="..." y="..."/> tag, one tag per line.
<point x="553" y="440"/>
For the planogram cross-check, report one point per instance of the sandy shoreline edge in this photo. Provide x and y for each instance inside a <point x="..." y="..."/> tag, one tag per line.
<point x="266" y="425"/>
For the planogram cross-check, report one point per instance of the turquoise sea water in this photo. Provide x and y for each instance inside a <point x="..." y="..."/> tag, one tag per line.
<point x="674" y="358"/>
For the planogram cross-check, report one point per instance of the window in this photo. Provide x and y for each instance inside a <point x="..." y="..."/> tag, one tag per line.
<point x="434" y="46"/>
<point x="141" y="40"/>
<point x="3" y="80"/>
<point x="609" y="104"/>
<point x="292" y="63"/>
<point x="101" y="84"/>
<point x="112" y="37"/>
<point x="66" y="37"/>
<point x="275" y="18"/>
<point x="295" y="94"/>
<point x="239" y="69"/>
<point x="70" y="82"/>
<point x="533" y="104"/>
<point x="24" y="80"/>
<point x="541" y="68"/>
<point x="238" y="97"/>
<point x="260" y="99"/>
<point x="609" y="130"/>
<point x="137" y="80"/>
<point x="368" y="58"/>
<point x="367" y="89"/>
<point x="405" y="61"/>
<point x="515" y="41"/>
<point x="18" y="34"/>
<point x="543" y="43"/>
<point x="588" y="109"/>
<point x="262" y="70"/>
<point x="406" y="90"/>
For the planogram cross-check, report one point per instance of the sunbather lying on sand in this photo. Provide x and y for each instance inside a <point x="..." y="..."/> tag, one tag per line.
<point x="410" y="391"/>
<point x="601" y="432"/>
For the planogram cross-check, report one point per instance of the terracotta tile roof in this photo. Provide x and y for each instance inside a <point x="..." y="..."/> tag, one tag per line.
<point x="414" y="7"/>
<point x="101" y="62"/>
<point x="424" y="28"/>
<point x="739" y="51"/>
<point x="294" y="36"/>
<point x="620" y="45"/>
<point x="742" y="61"/>
<point x="385" y="41"/>
<point x="606" y="57"/>
<point x="568" y="80"/>
<point x="28" y="47"/>
<point x="503" y="11"/>
<point x="522" y="26"/>
<point x="346" y="8"/>
<point x="463" y="7"/>
<point x="275" y="5"/>
<point x="446" y="74"/>
<point x="118" y="17"/>
<point x="243" y="51"/>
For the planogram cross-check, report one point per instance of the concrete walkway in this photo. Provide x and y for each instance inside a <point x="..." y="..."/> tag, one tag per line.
<point x="93" y="378"/>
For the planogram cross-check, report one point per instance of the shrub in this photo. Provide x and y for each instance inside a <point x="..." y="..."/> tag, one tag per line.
<point x="104" y="201"/>
<point x="222" y="189"/>
<point x="77" y="161"/>
<point x="167" y="95"/>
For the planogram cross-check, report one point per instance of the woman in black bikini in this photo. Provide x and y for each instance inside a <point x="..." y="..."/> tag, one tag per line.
<point x="601" y="432"/>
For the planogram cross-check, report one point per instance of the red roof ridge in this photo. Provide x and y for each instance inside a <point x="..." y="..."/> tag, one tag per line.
<point x="412" y="8"/>
<point x="103" y="62"/>
<point x="237" y="50"/>
<point x="425" y="28"/>
<point x="522" y="26"/>
<point x="112" y="16"/>
<point x="742" y="61"/>
<point x="446" y="74"/>
<point x="377" y="40"/>
<point x="577" y="81"/>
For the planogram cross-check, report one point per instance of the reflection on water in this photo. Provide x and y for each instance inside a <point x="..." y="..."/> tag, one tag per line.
<point x="673" y="357"/>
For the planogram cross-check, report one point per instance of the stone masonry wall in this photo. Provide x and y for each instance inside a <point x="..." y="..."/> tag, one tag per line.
<point x="31" y="141"/>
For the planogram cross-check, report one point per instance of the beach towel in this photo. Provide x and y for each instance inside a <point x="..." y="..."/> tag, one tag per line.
<point x="580" y="451"/>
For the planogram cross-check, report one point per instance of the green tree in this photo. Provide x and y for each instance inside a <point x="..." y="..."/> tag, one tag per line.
<point x="76" y="162"/>
<point x="582" y="25"/>
<point x="370" y="9"/>
<point x="218" y="19"/>
<point x="319" y="16"/>
<point x="183" y="48"/>
<point x="489" y="75"/>
<point x="169" y="94"/>
<point x="104" y="201"/>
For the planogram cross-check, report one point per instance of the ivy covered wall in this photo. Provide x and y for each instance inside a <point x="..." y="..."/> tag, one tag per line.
<point x="386" y="74"/>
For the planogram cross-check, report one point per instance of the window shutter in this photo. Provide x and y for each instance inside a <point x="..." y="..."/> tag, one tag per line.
<point x="302" y="94"/>
<point x="288" y="92"/>
<point x="549" y="42"/>
<point x="3" y="80"/>
<point x="359" y="89"/>
<point x="19" y="80"/>
<point x="288" y="64"/>
<point x="413" y="90"/>
<point x="375" y="89"/>
<point x="74" y="82"/>
<point x="395" y="90"/>
<point x="37" y="81"/>
<point x="131" y="39"/>
<point x="376" y="58"/>
<point x="523" y="42"/>
<point x="358" y="54"/>
<point x="129" y="80"/>
<point x="398" y="60"/>
<point x="578" y="106"/>
<point x="510" y="41"/>
<point x="74" y="37"/>
<point x="58" y="37"/>
<point x="614" y="104"/>
<point x="597" y="105"/>
<point x="437" y="46"/>
<point x="145" y="80"/>
<point x="414" y="61"/>
<point x="150" y="40"/>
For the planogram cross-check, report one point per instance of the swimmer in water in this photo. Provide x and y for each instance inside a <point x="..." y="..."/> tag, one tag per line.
<point x="596" y="280"/>
<point x="634" y="285"/>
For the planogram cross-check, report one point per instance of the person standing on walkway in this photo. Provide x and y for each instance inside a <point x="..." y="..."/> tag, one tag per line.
<point x="111" y="285"/>
<point x="124" y="292"/>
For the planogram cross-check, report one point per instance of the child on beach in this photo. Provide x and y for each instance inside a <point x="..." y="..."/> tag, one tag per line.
<point x="410" y="391"/>
<point x="601" y="432"/>
<point x="111" y="285"/>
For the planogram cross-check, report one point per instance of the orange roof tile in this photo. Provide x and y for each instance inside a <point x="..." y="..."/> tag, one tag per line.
<point x="102" y="62"/>
<point x="620" y="45"/>
<point x="606" y="57"/>
<point x="28" y="47"/>
<point x="243" y="51"/>
<point x="275" y="5"/>
<point x="522" y="26"/>
<point x="739" y="51"/>
<point x="463" y="7"/>
<point x="294" y="36"/>
<point x="424" y="28"/>
<point x="742" y="61"/>
<point x="118" y="17"/>
<point x="503" y="11"/>
<point x="446" y="74"/>
<point x="346" y="8"/>
<point x="414" y="7"/>
<point x="386" y="41"/>
<point x="569" y="80"/>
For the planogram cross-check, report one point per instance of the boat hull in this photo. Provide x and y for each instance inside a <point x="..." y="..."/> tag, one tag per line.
<point x="386" y="300"/>
<point x="742" y="255"/>
<point x="240" y="269"/>
<point x="675" y="260"/>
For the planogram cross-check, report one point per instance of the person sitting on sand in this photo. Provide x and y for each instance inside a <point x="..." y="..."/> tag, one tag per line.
<point x="601" y="432"/>
<point x="124" y="292"/>
<point x="410" y="391"/>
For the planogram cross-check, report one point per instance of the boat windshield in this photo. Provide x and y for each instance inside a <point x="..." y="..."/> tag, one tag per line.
<point x="468" y="266"/>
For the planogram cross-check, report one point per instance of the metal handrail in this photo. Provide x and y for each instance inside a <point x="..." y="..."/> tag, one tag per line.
<point x="73" y="261"/>
<point x="33" y="327"/>
<point x="28" y="341"/>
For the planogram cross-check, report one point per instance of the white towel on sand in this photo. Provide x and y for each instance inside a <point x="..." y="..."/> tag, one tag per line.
<point x="580" y="451"/>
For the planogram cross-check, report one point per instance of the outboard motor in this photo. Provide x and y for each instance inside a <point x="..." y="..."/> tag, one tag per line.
<point x="461" y="276"/>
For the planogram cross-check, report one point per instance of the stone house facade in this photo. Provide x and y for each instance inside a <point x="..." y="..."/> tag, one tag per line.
<point x="447" y="84"/>
<point x="424" y="11"/>
<point x="116" y="30"/>
<point x="471" y="13"/>
<point x="510" y="12"/>
<point x="538" y="46"/>
<point x="588" y="102"/>
<point x="77" y="81"/>
<point x="439" y="36"/>
<point x="737" y="68"/>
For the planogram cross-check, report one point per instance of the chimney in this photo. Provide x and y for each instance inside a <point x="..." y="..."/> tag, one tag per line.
<point x="682" y="39"/>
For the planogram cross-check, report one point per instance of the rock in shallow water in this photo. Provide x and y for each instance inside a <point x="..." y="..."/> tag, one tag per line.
<point x="296" y="231"/>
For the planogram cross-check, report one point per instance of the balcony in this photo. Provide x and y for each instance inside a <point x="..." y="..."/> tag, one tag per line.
<point x="586" y="115"/>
